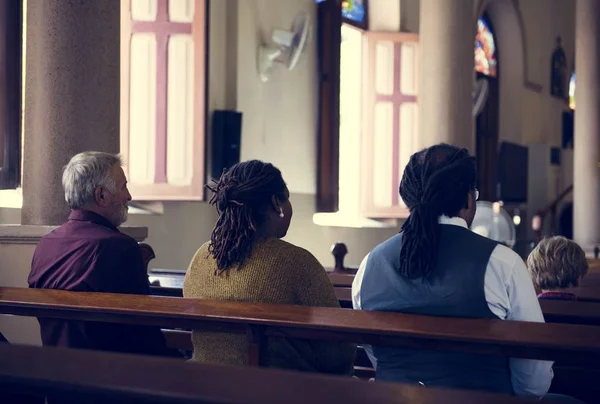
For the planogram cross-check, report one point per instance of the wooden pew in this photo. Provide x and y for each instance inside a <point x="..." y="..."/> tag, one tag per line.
<point x="579" y="344"/>
<point x="591" y="279"/>
<point x="341" y="280"/>
<point x="127" y="377"/>
<point x="562" y="312"/>
<point x="585" y="312"/>
<point x="577" y="347"/>
<point x="165" y="283"/>
<point x="586" y="293"/>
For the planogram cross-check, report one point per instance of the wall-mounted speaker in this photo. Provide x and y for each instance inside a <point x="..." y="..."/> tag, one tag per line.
<point x="226" y="139"/>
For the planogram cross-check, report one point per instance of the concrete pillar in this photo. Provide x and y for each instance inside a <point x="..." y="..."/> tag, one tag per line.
<point x="71" y="96"/>
<point x="586" y="184"/>
<point x="447" y="35"/>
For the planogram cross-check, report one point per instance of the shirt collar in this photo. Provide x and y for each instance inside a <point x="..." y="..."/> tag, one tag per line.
<point x="88" y="216"/>
<point x="455" y="221"/>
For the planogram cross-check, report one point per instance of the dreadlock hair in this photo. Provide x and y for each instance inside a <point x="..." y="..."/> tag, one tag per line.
<point x="242" y="196"/>
<point x="436" y="181"/>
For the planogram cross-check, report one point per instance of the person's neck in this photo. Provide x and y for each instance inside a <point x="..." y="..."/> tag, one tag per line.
<point x="96" y="210"/>
<point x="265" y="232"/>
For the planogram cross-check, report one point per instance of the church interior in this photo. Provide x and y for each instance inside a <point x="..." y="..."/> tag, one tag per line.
<point x="336" y="94"/>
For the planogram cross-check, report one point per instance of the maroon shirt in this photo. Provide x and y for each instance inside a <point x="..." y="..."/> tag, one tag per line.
<point x="556" y="296"/>
<point x="89" y="254"/>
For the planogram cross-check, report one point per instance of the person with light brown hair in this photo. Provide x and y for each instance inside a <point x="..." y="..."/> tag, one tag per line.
<point x="555" y="264"/>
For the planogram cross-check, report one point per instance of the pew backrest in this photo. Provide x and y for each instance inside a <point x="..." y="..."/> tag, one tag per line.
<point x="579" y="344"/>
<point x="585" y="312"/>
<point x="109" y="375"/>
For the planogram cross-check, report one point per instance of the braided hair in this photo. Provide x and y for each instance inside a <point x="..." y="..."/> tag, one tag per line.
<point x="436" y="182"/>
<point x="242" y="196"/>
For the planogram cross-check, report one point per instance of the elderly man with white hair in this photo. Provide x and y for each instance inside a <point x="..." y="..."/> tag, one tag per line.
<point x="88" y="253"/>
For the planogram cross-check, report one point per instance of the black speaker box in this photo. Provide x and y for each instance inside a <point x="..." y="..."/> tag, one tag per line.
<point x="226" y="138"/>
<point x="568" y="126"/>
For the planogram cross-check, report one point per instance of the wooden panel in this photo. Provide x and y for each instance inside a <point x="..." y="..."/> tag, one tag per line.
<point x="350" y="116"/>
<point x="180" y="113"/>
<point x="329" y="23"/>
<point x="383" y="134"/>
<point x="383" y="126"/>
<point x="342" y="280"/>
<point x="171" y="165"/>
<point x="140" y="161"/>
<point x="384" y="68"/>
<point x="409" y="111"/>
<point x="569" y="312"/>
<point x="591" y="279"/>
<point x="5" y="59"/>
<point x="586" y="293"/>
<point x="409" y="69"/>
<point x="110" y="375"/>
<point x="391" y="113"/>
<point x="144" y="10"/>
<point x="11" y="43"/>
<point x="181" y="10"/>
<point x="577" y="344"/>
<point x="408" y="143"/>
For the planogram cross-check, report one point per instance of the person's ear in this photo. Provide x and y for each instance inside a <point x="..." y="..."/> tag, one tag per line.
<point x="100" y="196"/>
<point x="275" y="204"/>
<point x="470" y="202"/>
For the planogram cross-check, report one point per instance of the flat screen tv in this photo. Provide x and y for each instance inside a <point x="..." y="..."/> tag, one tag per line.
<point x="513" y="172"/>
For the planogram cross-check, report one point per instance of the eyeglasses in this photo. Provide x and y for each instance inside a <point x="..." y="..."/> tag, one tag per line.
<point x="476" y="194"/>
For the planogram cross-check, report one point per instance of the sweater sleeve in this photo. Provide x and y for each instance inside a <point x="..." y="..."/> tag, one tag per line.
<point x="313" y="288"/>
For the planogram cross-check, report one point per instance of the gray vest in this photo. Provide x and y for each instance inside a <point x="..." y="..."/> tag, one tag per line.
<point x="455" y="289"/>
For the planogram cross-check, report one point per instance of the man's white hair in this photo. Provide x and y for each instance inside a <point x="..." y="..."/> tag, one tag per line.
<point x="85" y="172"/>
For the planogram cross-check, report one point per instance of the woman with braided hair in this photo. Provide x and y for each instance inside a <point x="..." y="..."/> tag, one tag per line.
<point x="437" y="266"/>
<point x="246" y="260"/>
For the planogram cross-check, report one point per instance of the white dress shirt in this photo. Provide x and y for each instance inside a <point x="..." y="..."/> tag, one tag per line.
<point x="510" y="295"/>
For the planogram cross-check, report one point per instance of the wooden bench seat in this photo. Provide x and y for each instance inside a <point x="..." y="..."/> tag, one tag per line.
<point x="108" y="375"/>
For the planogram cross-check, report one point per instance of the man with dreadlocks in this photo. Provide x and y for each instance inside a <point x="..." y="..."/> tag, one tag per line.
<point x="246" y="260"/>
<point x="436" y="266"/>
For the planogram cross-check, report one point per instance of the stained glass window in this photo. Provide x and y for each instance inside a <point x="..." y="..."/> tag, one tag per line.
<point x="485" y="49"/>
<point x="572" y="91"/>
<point x="354" y="11"/>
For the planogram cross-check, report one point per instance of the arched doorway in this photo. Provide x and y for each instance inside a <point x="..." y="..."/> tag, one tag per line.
<point x="487" y="121"/>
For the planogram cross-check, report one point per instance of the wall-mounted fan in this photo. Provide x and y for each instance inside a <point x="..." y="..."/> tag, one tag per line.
<point x="493" y="222"/>
<point x="480" y="94"/>
<point x="287" y="49"/>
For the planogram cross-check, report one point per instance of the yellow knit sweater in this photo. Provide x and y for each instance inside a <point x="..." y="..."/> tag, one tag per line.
<point x="276" y="272"/>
